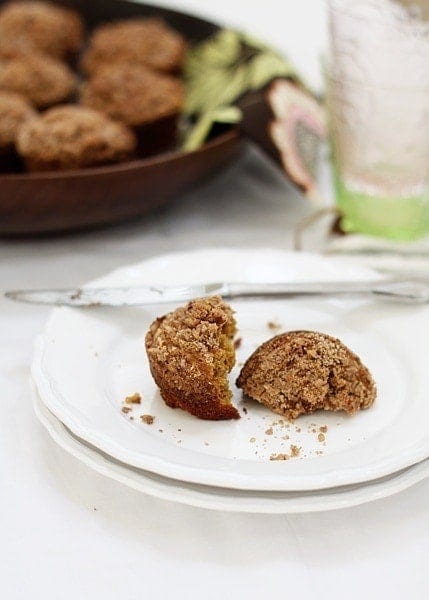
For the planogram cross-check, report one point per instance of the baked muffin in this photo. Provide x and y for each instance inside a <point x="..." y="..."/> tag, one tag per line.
<point x="15" y="110"/>
<point x="147" y="42"/>
<point x="149" y="102"/>
<point x="41" y="26"/>
<point x="14" y="48"/>
<point x="300" y="372"/>
<point x="190" y="353"/>
<point x="45" y="81"/>
<point x="72" y="137"/>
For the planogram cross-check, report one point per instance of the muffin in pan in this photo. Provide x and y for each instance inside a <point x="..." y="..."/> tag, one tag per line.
<point x="148" y="42"/>
<point x="44" y="80"/>
<point x="147" y="101"/>
<point x="14" y="48"/>
<point x="41" y="26"/>
<point x="73" y="137"/>
<point x="15" y="110"/>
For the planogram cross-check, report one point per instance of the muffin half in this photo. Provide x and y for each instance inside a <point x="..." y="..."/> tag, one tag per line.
<point x="147" y="42"/>
<point x="72" y="137"/>
<point x="191" y="353"/>
<point x="300" y="372"/>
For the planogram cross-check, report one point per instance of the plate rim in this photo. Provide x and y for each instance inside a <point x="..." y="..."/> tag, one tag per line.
<point x="186" y="472"/>
<point x="199" y="496"/>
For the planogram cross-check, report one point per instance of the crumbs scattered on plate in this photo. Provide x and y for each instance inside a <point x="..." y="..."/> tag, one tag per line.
<point x="289" y="438"/>
<point x="294" y="452"/>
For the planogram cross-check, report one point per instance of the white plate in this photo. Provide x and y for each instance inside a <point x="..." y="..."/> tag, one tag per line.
<point x="223" y="499"/>
<point x="88" y="361"/>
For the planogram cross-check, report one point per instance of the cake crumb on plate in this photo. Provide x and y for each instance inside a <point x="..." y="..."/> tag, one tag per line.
<point x="148" y="419"/>
<point x="133" y="399"/>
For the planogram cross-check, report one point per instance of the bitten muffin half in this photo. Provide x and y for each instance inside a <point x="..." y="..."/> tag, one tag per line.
<point x="147" y="42"/>
<point x="299" y="372"/>
<point x="72" y="137"/>
<point x="191" y="353"/>
<point x="30" y="26"/>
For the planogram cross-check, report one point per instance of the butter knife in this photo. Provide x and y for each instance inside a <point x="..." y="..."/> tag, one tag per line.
<point x="400" y="290"/>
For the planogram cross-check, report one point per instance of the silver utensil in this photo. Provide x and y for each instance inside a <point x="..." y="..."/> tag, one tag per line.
<point x="415" y="292"/>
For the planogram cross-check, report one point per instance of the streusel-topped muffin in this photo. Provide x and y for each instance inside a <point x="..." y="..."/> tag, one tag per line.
<point x="147" y="42"/>
<point x="299" y="372"/>
<point x="44" y="80"/>
<point x="133" y="94"/>
<point x="15" y="110"/>
<point x="72" y="137"/>
<point x="41" y="26"/>
<point x="191" y="353"/>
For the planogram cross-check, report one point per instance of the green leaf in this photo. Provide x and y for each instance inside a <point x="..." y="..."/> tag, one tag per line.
<point x="236" y="86"/>
<point x="219" y="71"/>
<point x="266" y="67"/>
<point x="219" y="51"/>
<point x="227" y="114"/>
<point x="254" y="42"/>
<point x="200" y="131"/>
<point x="206" y="93"/>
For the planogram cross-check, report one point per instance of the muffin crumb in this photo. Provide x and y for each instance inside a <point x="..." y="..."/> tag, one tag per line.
<point x="148" y="419"/>
<point x="295" y="450"/>
<point x="280" y="456"/>
<point x="133" y="399"/>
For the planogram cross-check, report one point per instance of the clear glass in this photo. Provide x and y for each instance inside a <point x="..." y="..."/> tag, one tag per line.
<point x="378" y="106"/>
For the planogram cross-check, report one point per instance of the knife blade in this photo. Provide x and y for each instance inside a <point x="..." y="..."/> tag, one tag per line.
<point x="394" y="289"/>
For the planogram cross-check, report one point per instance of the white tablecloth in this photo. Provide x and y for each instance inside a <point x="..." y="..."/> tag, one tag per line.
<point x="69" y="533"/>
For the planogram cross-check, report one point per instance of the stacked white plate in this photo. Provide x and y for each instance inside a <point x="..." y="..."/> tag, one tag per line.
<point x="89" y="360"/>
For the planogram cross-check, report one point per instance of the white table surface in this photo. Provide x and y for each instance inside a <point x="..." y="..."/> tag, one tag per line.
<point x="69" y="533"/>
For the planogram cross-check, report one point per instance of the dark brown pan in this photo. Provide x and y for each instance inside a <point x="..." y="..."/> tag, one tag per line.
<point x="35" y="203"/>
